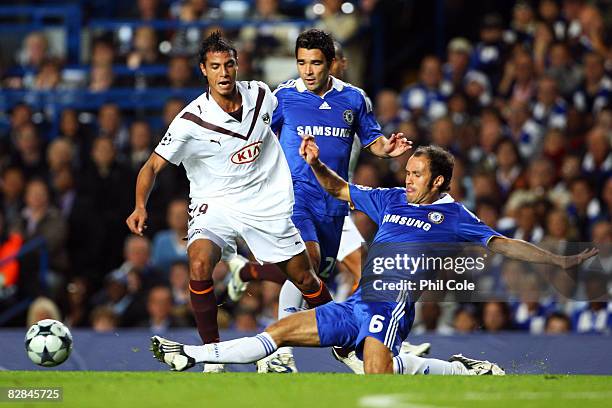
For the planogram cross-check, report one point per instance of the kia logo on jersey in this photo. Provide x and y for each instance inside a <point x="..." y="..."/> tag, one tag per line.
<point x="247" y="154"/>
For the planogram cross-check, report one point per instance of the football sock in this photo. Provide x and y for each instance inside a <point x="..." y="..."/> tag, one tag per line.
<point x="318" y="298"/>
<point x="406" y="363"/>
<point x="266" y="272"/>
<point x="204" y="304"/>
<point x="238" y="351"/>
<point x="289" y="301"/>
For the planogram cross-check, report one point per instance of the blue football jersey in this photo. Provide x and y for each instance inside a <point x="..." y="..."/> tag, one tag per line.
<point x="333" y="119"/>
<point x="444" y="221"/>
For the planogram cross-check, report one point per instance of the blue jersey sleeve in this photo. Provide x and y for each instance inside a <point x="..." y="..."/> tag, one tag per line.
<point x="369" y="200"/>
<point x="368" y="128"/>
<point x="277" y="117"/>
<point x="471" y="229"/>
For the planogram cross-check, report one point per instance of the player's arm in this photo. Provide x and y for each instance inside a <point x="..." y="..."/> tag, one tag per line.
<point x="144" y="185"/>
<point x="525" y="251"/>
<point x="394" y="146"/>
<point x="329" y="180"/>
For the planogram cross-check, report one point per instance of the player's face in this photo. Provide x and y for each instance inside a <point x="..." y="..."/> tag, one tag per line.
<point x="418" y="176"/>
<point x="313" y="69"/>
<point x="220" y="69"/>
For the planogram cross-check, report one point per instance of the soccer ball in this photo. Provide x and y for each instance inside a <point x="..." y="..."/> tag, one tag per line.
<point x="48" y="343"/>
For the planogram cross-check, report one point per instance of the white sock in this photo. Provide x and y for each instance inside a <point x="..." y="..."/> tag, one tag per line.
<point x="290" y="300"/>
<point x="239" y="351"/>
<point x="406" y="363"/>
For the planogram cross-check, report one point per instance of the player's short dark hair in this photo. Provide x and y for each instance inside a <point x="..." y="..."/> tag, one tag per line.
<point x="441" y="163"/>
<point x="216" y="43"/>
<point x="314" y="39"/>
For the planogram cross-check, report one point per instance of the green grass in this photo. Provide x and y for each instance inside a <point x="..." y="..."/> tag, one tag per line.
<point x="165" y="389"/>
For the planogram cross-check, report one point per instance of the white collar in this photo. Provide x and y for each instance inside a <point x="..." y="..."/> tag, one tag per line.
<point x="248" y="102"/>
<point x="337" y="84"/>
<point x="445" y="198"/>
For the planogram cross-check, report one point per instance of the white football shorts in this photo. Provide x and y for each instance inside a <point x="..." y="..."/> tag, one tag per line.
<point x="269" y="240"/>
<point x="351" y="239"/>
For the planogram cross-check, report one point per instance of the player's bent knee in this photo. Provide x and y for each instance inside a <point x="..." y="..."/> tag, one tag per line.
<point x="200" y="270"/>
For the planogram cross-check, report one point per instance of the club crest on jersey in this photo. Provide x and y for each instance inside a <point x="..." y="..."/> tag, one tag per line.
<point x="348" y="116"/>
<point x="435" y="217"/>
<point x="266" y="118"/>
<point x="166" y="139"/>
<point x="247" y="154"/>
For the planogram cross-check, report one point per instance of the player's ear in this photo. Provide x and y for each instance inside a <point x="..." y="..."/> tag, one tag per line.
<point x="438" y="182"/>
<point x="203" y="69"/>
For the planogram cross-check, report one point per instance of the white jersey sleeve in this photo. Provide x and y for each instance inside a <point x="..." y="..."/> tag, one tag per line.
<point x="269" y="94"/>
<point x="174" y="145"/>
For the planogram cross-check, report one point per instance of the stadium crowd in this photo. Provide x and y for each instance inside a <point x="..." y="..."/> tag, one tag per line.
<point x="526" y="109"/>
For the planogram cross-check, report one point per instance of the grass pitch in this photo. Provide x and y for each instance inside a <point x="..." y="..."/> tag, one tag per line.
<point x="166" y="389"/>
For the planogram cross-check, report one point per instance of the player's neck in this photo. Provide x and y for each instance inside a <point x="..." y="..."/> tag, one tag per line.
<point x="229" y="103"/>
<point x="326" y="87"/>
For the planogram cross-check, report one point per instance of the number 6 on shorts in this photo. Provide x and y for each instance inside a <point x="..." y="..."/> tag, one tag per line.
<point x="376" y="324"/>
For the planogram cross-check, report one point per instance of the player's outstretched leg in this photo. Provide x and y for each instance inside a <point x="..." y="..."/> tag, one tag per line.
<point x="405" y="363"/>
<point x="299" y="329"/>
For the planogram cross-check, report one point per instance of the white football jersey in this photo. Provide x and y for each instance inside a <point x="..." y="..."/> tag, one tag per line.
<point x="237" y="163"/>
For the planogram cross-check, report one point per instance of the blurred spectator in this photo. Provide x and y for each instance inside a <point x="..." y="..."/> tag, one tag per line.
<point x="425" y="100"/>
<point x="123" y="294"/>
<point x="465" y="321"/>
<point x="495" y="317"/>
<point x="522" y="26"/>
<point x="84" y="251"/>
<point x="430" y="322"/>
<point x="48" y="77"/>
<point x="34" y="52"/>
<point x="179" y="285"/>
<point x="518" y="83"/>
<point x="79" y="136"/>
<point x="146" y="10"/>
<point x="102" y="52"/>
<point x="104" y="320"/>
<point x="137" y="261"/>
<point x="509" y="167"/>
<point x="597" y="162"/>
<point x="111" y="125"/>
<point x="168" y="245"/>
<point x="60" y="155"/>
<point x="562" y="68"/>
<point x="268" y="39"/>
<point x="584" y="208"/>
<point x="478" y="91"/>
<point x="42" y="308"/>
<point x="180" y="73"/>
<point x="529" y="315"/>
<point x="140" y="144"/>
<point x="558" y="232"/>
<point x="40" y="218"/>
<point x="596" y="315"/>
<point x="28" y="153"/>
<point x="557" y="323"/>
<point x="489" y="54"/>
<point x="550" y="109"/>
<point x="145" y="50"/>
<point x="606" y="196"/>
<point x="12" y="187"/>
<point x="594" y="91"/>
<point x="76" y="307"/>
<point x="388" y="111"/>
<point x="443" y="134"/>
<point x="245" y="320"/>
<point x="101" y="78"/>
<point x="159" y="308"/>
<point x="458" y="54"/>
<point x="527" y="224"/>
<point x="108" y="185"/>
<point x="525" y="132"/>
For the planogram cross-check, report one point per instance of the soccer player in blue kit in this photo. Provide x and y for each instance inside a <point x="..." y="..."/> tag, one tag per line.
<point x="377" y="328"/>
<point x="332" y="111"/>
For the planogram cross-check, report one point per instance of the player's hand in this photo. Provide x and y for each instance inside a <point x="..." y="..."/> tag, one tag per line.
<point x="309" y="149"/>
<point x="568" y="262"/>
<point x="136" y="221"/>
<point x="397" y="145"/>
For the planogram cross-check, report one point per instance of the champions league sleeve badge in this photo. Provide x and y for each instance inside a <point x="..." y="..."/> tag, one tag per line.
<point x="266" y="118"/>
<point x="348" y="116"/>
<point x="435" y="217"/>
<point x="166" y="139"/>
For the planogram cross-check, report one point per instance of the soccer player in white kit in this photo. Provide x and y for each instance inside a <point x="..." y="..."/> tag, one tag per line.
<point x="240" y="184"/>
